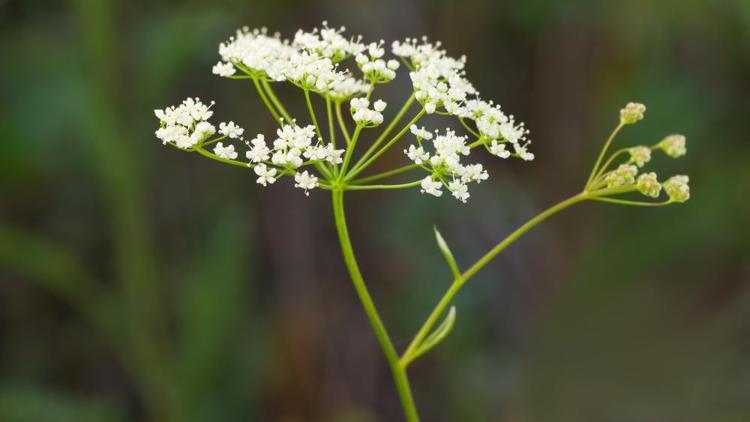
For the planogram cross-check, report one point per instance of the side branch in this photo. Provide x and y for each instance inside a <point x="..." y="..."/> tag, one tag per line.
<point x="447" y="298"/>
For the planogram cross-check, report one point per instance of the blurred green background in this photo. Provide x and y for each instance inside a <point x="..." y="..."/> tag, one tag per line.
<point x="139" y="283"/>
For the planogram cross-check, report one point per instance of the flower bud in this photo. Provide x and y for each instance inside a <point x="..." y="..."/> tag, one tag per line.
<point x="673" y="146"/>
<point x="648" y="185"/>
<point x="622" y="176"/>
<point x="640" y="155"/>
<point x="632" y="113"/>
<point x="677" y="188"/>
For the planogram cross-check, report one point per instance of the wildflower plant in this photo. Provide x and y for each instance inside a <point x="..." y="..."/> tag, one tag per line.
<point x="326" y="150"/>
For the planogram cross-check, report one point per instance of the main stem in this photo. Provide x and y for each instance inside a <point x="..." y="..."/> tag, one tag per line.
<point x="399" y="372"/>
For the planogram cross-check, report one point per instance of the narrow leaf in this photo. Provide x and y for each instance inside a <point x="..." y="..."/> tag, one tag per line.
<point x="447" y="254"/>
<point x="440" y="333"/>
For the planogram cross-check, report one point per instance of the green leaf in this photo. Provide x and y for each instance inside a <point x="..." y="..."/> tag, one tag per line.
<point x="440" y="333"/>
<point x="447" y="254"/>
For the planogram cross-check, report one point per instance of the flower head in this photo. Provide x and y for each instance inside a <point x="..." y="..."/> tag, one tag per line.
<point x="421" y="133"/>
<point x="363" y="115"/>
<point x="374" y="68"/>
<point x="226" y="152"/>
<point x="225" y="69"/>
<point x="259" y="151"/>
<point x="231" y="130"/>
<point x="632" y="113"/>
<point x="622" y="176"/>
<point x="677" y="188"/>
<point x="266" y="175"/>
<point x="185" y="125"/>
<point x="640" y="155"/>
<point x="648" y="185"/>
<point x="431" y="187"/>
<point x="305" y="181"/>
<point x="673" y="146"/>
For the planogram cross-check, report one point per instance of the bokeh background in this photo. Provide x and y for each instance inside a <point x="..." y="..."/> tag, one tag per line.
<point x="140" y="283"/>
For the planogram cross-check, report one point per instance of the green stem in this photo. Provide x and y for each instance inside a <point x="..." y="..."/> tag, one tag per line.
<point x="363" y="165"/>
<point x="373" y="187"/>
<point x="609" y="163"/>
<point x="460" y="281"/>
<point x="350" y="151"/>
<point x="342" y="123"/>
<point x="388" y="129"/>
<point x="275" y="100"/>
<point x="312" y="113"/>
<point x="264" y="97"/>
<point x="213" y="156"/>
<point x="398" y="371"/>
<point x="331" y="131"/>
<point x="634" y="203"/>
<point x="603" y="152"/>
<point x="466" y="126"/>
<point x="385" y="174"/>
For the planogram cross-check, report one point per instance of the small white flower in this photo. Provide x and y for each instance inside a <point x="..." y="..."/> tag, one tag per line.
<point x="417" y="154"/>
<point x="420" y="132"/>
<point x="305" y="181"/>
<point x="226" y="152"/>
<point x="333" y="156"/>
<point x="231" y="130"/>
<point x="260" y="151"/>
<point x="432" y="187"/>
<point x="498" y="149"/>
<point x="203" y="131"/>
<point x="359" y="103"/>
<point x="459" y="190"/>
<point x="379" y="106"/>
<point x="473" y="173"/>
<point x="266" y="175"/>
<point x="185" y="125"/>
<point x="523" y="152"/>
<point x="366" y="117"/>
<point x="223" y="69"/>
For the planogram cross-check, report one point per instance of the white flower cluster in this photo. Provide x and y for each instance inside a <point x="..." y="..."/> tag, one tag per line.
<point x="313" y="60"/>
<point x="363" y="115"/>
<point x="440" y="85"/>
<point x="374" y="67"/>
<point x="444" y="164"/>
<point x="310" y="61"/>
<point x="185" y="125"/>
<point x="438" y="79"/>
<point x="292" y="144"/>
<point x="328" y="43"/>
<point x="497" y="129"/>
<point x="255" y="51"/>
